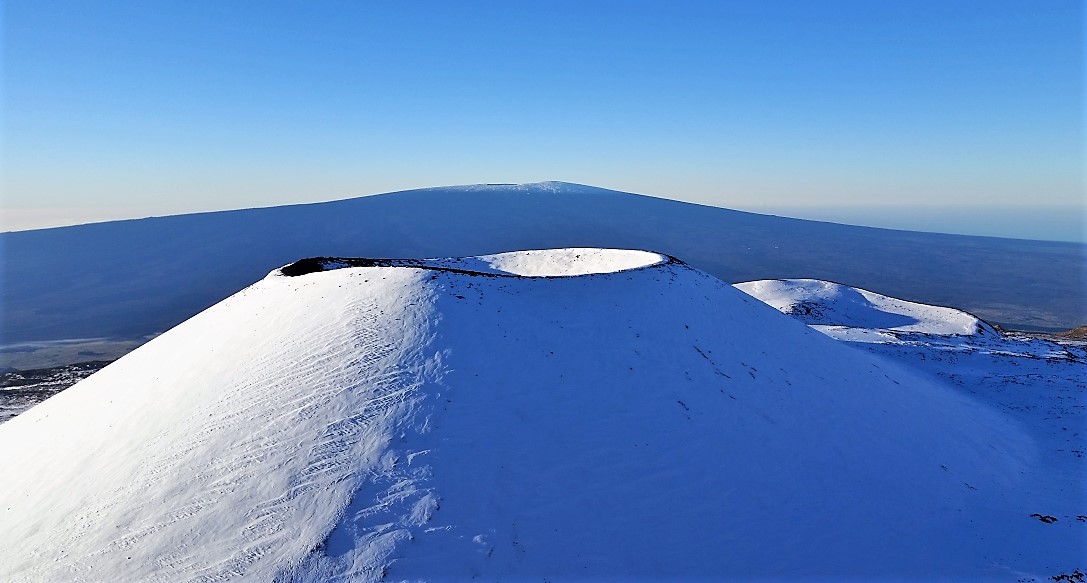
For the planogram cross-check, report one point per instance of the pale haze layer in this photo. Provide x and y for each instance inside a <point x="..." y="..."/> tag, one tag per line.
<point x="961" y="117"/>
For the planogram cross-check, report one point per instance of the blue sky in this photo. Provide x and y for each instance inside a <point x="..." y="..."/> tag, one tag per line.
<point x="133" y="108"/>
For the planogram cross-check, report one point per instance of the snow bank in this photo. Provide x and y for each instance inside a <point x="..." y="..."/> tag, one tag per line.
<point x="436" y="423"/>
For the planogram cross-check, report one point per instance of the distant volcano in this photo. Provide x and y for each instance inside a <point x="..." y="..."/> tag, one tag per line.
<point x="571" y="414"/>
<point x="128" y="280"/>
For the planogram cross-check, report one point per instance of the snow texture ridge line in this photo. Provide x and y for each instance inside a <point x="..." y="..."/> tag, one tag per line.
<point x="276" y="450"/>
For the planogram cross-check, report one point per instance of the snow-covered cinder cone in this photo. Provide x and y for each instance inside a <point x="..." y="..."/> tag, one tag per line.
<point x="572" y="414"/>
<point x="829" y="304"/>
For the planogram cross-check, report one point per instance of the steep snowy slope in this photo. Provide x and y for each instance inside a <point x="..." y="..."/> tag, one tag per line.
<point x="1041" y="384"/>
<point x="131" y="279"/>
<point x="492" y="418"/>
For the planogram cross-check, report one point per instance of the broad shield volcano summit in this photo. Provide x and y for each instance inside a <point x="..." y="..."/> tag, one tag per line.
<point x="120" y="282"/>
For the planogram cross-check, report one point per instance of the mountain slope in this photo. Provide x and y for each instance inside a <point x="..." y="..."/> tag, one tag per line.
<point x="130" y="279"/>
<point x="1039" y="383"/>
<point x="491" y="418"/>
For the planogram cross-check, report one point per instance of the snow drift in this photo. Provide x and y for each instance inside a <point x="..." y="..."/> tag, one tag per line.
<point x="578" y="414"/>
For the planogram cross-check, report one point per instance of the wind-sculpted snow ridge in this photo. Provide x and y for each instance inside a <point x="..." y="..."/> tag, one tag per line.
<point x="825" y="303"/>
<point x="592" y="415"/>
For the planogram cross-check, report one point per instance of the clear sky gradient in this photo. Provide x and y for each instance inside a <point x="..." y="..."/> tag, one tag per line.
<point x="120" y="109"/>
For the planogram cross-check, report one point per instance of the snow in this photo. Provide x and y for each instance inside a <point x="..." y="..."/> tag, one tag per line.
<point x="570" y="262"/>
<point x="567" y="262"/>
<point x="1039" y="383"/>
<point x="845" y="308"/>
<point x="622" y="416"/>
